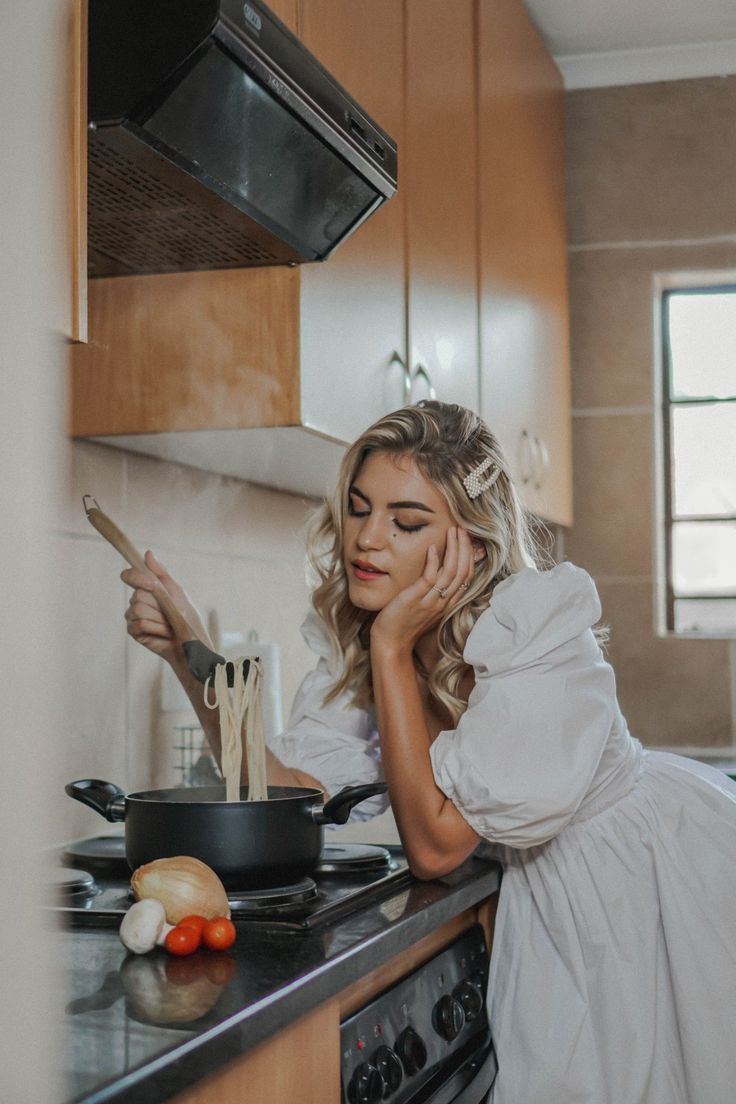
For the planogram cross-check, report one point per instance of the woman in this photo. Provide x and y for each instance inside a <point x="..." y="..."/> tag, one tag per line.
<point x="473" y="682"/>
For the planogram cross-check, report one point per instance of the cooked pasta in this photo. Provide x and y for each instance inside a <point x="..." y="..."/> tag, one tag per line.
<point x="255" y="744"/>
<point x="241" y="718"/>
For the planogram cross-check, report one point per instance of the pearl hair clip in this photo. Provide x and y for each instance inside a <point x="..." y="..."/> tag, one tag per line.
<point x="472" y="482"/>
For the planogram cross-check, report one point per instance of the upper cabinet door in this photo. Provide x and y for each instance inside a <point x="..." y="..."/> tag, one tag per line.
<point x="352" y="306"/>
<point x="525" y="373"/>
<point x="286" y="11"/>
<point x="439" y="173"/>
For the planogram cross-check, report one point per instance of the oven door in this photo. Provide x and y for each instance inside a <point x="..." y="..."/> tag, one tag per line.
<point x="426" y="1040"/>
<point x="471" y="1083"/>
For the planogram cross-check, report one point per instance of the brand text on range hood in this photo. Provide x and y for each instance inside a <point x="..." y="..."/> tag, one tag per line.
<point x="216" y="140"/>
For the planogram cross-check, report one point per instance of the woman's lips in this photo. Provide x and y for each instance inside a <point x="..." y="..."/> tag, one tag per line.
<point x="366" y="571"/>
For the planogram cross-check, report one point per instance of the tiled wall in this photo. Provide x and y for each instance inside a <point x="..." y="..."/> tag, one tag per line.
<point x="239" y="551"/>
<point x="652" y="170"/>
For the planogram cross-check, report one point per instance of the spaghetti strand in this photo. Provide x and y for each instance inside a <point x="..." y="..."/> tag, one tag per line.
<point x="241" y="720"/>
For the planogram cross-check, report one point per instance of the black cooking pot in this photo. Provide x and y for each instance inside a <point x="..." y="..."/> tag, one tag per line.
<point x="247" y="843"/>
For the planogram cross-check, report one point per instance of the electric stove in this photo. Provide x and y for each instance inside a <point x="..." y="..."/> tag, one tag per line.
<point x="91" y="886"/>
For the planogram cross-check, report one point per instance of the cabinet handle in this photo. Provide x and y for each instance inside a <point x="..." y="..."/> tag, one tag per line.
<point x="396" y="359"/>
<point x="542" y="464"/>
<point x="527" y="463"/>
<point x="421" y="372"/>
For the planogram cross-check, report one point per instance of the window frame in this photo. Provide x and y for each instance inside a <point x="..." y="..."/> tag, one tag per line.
<point x="665" y="287"/>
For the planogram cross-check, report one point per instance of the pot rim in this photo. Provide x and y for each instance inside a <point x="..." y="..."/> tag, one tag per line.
<point x="180" y="796"/>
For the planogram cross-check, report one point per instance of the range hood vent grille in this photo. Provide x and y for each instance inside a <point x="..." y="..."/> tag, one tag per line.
<point x="139" y="222"/>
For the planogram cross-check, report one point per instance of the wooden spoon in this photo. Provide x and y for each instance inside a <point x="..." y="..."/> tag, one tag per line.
<point x="201" y="660"/>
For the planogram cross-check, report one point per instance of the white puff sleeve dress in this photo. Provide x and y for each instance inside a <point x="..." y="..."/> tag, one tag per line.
<point x="613" y="972"/>
<point x="335" y="743"/>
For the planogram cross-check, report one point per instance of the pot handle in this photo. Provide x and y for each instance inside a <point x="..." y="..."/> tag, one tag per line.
<point x="104" y="797"/>
<point x="338" y="808"/>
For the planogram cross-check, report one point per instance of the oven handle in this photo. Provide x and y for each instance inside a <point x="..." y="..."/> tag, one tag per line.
<point x="472" y="1082"/>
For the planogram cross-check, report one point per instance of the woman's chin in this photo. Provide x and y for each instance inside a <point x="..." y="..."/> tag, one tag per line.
<point x="362" y="598"/>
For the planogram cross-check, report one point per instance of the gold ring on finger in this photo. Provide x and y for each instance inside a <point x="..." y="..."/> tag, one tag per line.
<point x="441" y="591"/>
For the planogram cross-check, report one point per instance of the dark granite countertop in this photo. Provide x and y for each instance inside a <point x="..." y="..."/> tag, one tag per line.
<point x="144" y="1028"/>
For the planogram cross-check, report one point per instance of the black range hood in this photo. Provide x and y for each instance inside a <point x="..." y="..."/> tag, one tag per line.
<point x="216" y="140"/>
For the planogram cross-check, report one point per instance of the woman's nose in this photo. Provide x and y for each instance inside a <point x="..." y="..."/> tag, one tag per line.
<point x="371" y="534"/>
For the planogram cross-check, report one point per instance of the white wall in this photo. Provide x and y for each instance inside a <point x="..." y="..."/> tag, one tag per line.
<point x="33" y="314"/>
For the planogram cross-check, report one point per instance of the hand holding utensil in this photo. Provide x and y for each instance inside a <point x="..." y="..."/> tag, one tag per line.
<point x="200" y="659"/>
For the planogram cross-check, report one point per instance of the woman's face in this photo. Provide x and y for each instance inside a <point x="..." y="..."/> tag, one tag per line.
<point x="393" y="514"/>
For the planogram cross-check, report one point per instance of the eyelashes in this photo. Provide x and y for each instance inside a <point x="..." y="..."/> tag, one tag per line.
<point x="404" y="528"/>
<point x="407" y="528"/>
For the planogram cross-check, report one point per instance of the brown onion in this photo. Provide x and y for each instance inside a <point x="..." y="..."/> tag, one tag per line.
<point x="185" y="886"/>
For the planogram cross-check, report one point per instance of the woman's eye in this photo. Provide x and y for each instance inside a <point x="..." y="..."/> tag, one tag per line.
<point x="353" y="512"/>
<point x="408" y="528"/>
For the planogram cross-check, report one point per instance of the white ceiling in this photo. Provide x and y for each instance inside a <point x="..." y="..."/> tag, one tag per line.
<point x="602" y="42"/>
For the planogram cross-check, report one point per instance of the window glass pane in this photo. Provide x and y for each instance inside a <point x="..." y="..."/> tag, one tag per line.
<point x="704" y="459"/>
<point x="703" y="352"/>
<point x="717" y="616"/>
<point x="704" y="557"/>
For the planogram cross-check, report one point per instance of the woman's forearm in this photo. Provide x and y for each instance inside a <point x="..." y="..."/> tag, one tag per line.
<point x="435" y="836"/>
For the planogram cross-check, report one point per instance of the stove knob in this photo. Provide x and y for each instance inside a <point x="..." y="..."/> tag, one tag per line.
<point x="366" y="1085"/>
<point x="411" y="1050"/>
<point x="470" y="997"/>
<point x="388" y="1065"/>
<point x="448" y="1017"/>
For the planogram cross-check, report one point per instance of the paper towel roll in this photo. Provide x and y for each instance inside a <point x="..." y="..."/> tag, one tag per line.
<point x="271" y="659"/>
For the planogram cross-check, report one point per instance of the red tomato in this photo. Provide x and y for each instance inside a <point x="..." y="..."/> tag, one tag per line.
<point x="196" y="922"/>
<point x="181" y="941"/>
<point x="219" y="934"/>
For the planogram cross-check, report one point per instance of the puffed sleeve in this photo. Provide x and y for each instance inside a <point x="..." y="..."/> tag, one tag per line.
<point x="525" y="751"/>
<point x="335" y="743"/>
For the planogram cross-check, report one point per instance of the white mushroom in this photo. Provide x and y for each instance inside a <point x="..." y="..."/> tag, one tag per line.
<point x="144" y="926"/>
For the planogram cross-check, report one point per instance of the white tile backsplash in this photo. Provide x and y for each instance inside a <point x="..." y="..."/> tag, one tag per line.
<point x="96" y="471"/>
<point x="239" y="550"/>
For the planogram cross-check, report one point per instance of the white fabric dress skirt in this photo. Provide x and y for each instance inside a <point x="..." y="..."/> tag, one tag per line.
<point x="613" y="972"/>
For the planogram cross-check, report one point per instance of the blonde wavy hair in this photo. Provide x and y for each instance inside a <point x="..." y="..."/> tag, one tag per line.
<point x="447" y="442"/>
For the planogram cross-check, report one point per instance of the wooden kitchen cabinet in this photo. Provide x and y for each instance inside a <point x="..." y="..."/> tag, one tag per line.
<point x="440" y="181"/>
<point x="525" y="372"/>
<point x="301" y="1062"/>
<point x="400" y="300"/>
<point x="352" y="317"/>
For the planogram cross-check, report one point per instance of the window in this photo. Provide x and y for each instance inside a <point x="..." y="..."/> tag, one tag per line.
<point x="698" y="491"/>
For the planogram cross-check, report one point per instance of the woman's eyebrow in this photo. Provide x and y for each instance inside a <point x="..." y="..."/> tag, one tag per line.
<point x="355" y="490"/>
